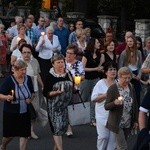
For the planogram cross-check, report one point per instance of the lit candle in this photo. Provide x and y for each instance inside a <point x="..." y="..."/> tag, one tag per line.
<point x="77" y="80"/>
<point x="12" y="92"/>
<point x="120" y="98"/>
<point x="42" y="33"/>
<point x="18" y="39"/>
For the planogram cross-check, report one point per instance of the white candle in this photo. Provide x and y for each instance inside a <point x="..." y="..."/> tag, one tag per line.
<point x="42" y="33"/>
<point x="77" y="80"/>
<point x="62" y="87"/>
<point x="12" y="92"/>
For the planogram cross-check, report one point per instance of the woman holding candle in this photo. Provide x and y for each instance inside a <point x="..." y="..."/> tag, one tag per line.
<point x="17" y="93"/>
<point x="21" y="35"/>
<point x="105" y="138"/>
<point x="33" y="70"/>
<point x="47" y="46"/>
<point x="92" y="61"/>
<point x="57" y="99"/>
<point x="122" y="105"/>
<point x="76" y="69"/>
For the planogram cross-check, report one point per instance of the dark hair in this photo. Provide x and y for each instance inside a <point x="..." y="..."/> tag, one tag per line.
<point x="110" y="64"/>
<point x="141" y="46"/>
<point x="90" y="47"/>
<point x="22" y="41"/>
<point x="72" y="47"/>
<point x="27" y="46"/>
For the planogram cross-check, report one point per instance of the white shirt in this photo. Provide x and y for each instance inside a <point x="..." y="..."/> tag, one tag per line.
<point x="13" y="31"/>
<point x="17" y="53"/>
<point x="100" y="113"/>
<point x="47" y="49"/>
<point x="14" y="42"/>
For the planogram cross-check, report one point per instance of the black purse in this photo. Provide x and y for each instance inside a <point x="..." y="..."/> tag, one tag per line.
<point x="32" y="111"/>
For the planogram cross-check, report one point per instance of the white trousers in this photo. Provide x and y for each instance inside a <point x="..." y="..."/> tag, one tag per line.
<point x="105" y="139"/>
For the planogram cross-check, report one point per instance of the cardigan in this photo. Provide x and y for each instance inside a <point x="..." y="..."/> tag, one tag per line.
<point x="6" y="87"/>
<point x="116" y="111"/>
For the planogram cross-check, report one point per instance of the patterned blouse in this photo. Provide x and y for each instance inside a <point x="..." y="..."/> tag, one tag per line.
<point x="127" y="107"/>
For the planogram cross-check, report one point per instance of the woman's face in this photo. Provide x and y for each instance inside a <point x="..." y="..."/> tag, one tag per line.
<point x="21" y="72"/>
<point x="71" y="27"/>
<point x="26" y="54"/>
<point x="97" y="44"/>
<point x="148" y="44"/>
<point x="22" y="30"/>
<point x="109" y="37"/>
<point x="130" y="42"/>
<point x="70" y="55"/>
<point x="111" y="73"/>
<point x="111" y="47"/>
<point x="124" y="80"/>
<point x="59" y="65"/>
<point x="138" y="44"/>
<point x="49" y="34"/>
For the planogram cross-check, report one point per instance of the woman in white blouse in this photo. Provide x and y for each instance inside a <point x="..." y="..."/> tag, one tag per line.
<point x="47" y="46"/>
<point x="21" y="35"/>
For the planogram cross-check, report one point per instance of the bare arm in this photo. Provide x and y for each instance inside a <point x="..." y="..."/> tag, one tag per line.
<point x="142" y="120"/>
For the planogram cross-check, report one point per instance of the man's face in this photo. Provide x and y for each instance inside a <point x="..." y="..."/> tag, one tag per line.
<point x="60" y="22"/>
<point x="79" y="25"/>
<point x="41" y="22"/>
<point x="28" y="23"/>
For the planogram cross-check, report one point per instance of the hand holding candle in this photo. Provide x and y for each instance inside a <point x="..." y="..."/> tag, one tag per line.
<point x="42" y="33"/>
<point x="12" y="93"/>
<point x="120" y="98"/>
<point x="77" y="80"/>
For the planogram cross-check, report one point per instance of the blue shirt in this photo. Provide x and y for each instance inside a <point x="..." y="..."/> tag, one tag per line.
<point x="63" y="35"/>
<point x="38" y="31"/>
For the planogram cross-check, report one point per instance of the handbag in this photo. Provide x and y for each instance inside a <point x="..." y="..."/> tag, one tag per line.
<point x="79" y="111"/>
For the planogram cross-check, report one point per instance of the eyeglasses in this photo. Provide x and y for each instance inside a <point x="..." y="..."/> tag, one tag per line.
<point x="26" y="52"/>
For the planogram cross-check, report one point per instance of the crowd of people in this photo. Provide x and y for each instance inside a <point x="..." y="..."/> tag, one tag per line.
<point x="44" y="60"/>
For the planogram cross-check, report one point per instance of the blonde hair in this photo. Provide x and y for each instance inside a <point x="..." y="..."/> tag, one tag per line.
<point x="79" y="32"/>
<point x="124" y="71"/>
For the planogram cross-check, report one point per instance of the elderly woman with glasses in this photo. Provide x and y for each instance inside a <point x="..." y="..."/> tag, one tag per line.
<point x="47" y="46"/>
<point x="33" y="70"/>
<point x="122" y="105"/>
<point x="58" y="91"/>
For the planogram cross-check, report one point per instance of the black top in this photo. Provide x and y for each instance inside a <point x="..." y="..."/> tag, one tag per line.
<point x="50" y="81"/>
<point x="7" y="85"/>
<point x="146" y="104"/>
<point x="108" y="58"/>
<point x="91" y="63"/>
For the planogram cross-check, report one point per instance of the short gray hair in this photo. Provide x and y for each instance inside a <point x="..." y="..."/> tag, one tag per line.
<point x="19" y="64"/>
<point x="124" y="71"/>
<point x="49" y="28"/>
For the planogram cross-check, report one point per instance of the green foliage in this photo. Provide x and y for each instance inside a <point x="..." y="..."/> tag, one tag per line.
<point x="67" y="6"/>
<point x="133" y="8"/>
